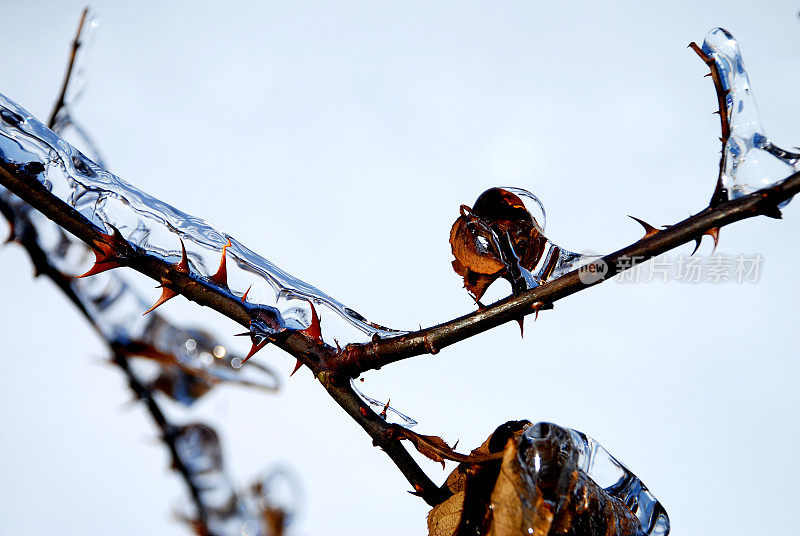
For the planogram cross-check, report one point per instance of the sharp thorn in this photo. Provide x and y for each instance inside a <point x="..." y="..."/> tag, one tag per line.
<point x="166" y="294"/>
<point x="314" y="330"/>
<point x="713" y="233"/>
<point x="296" y="367"/>
<point x="697" y="245"/>
<point x="99" y="267"/>
<point x="183" y="265"/>
<point x="521" y="322"/>
<point x="221" y="277"/>
<point x="255" y="348"/>
<point x="649" y="230"/>
<point x="246" y="292"/>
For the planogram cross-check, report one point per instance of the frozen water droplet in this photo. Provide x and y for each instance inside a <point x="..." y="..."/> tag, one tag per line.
<point x="750" y="160"/>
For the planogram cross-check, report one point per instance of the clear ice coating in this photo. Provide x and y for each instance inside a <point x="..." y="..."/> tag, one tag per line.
<point x="190" y="361"/>
<point x="156" y="227"/>
<point x="750" y="160"/>
<point x="503" y="235"/>
<point x="555" y="261"/>
<point x="386" y="411"/>
<point x="544" y="445"/>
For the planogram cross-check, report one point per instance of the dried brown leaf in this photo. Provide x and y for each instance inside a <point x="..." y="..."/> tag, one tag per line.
<point x="535" y="490"/>
<point x="494" y="239"/>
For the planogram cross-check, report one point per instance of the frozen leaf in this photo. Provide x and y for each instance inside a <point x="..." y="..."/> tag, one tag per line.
<point x="502" y="235"/>
<point x="551" y="481"/>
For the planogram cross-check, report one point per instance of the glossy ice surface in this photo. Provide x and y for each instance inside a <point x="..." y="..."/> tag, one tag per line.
<point x="750" y="160"/>
<point x="158" y="228"/>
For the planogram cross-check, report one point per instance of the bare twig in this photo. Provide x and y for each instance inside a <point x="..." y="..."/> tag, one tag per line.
<point x="724" y="120"/>
<point x="62" y="95"/>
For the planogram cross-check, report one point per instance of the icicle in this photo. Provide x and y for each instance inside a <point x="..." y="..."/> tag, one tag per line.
<point x="751" y="160"/>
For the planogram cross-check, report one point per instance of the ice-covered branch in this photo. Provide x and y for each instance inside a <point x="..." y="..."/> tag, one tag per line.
<point x="186" y="255"/>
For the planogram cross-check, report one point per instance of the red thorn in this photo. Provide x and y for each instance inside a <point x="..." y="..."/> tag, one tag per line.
<point x="221" y="277"/>
<point x="99" y="268"/>
<point x="713" y="233"/>
<point x="104" y="252"/>
<point x="255" y="348"/>
<point x="537" y="306"/>
<point x="313" y="331"/>
<point x="385" y="409"/>
<point x="183" y="265"/>
<point x="417" y="490"/>
<point x="649" y="230"/>
<point x="296" y="367"/>
<point x="521" y="322"/>
<point x="246" y="292"/>
<point x="166" y="294"/>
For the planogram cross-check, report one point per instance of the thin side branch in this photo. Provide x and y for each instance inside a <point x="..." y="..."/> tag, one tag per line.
<point x="76" y="44"/>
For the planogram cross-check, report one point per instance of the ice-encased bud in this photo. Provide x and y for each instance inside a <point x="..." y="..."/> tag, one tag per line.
<point x="503" y="235"/>
<point x="750" y="160"/>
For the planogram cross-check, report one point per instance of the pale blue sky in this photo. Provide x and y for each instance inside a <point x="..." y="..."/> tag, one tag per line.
<point x="338" y="140"/>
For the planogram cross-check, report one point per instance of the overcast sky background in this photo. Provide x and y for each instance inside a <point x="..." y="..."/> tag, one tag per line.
<point x="338" y="140"/>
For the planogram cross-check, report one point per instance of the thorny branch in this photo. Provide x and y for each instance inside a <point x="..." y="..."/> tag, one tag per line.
<point x="333" y="367"/>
